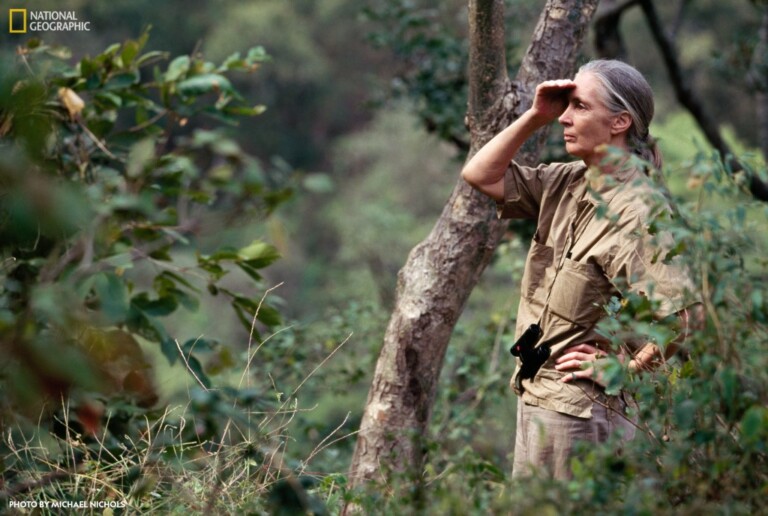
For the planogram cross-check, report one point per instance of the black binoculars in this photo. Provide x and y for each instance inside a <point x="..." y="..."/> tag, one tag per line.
<point x="531" y="356"/>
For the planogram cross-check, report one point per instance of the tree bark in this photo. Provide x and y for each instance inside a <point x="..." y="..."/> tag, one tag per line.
<point x="441" y="271"/>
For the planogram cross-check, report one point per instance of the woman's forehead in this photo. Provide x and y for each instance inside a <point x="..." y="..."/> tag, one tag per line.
<point x="588" y="87"/>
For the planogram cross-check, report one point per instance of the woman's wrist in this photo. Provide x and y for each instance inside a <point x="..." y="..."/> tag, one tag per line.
<point x="535" y="120"/>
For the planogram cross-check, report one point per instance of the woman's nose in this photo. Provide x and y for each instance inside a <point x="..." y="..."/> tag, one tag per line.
<point x="565" y="118"/>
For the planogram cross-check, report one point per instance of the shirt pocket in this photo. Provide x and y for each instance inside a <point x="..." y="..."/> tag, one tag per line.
<point x="540" y="257"/>
<point x="579" y="293"/>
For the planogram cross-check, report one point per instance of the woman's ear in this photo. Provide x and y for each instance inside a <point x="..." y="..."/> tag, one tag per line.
<point x="621" y="123"/>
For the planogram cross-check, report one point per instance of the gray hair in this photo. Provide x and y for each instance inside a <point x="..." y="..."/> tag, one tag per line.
<point x="627" y="90"/>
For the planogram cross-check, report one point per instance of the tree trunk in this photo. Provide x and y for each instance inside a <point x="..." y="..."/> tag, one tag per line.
<point x="441" y="271"/>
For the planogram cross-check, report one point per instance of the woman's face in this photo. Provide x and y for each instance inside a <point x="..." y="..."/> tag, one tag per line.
<point x="587" y="122"/>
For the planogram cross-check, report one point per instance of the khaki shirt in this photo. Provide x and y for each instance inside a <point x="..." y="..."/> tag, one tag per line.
<point x="599" y="235"/>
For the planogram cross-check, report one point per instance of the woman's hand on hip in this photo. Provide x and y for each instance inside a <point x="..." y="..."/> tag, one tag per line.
<point x="578" y="362"/>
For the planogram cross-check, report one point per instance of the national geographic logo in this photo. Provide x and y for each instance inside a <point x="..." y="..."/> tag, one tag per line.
<point x="21" y="21"/>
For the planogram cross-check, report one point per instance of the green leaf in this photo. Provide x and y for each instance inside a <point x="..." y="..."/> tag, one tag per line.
<point x="178" y="279"/>
<point x="319" y="183"/>
<point x="198" y="345"/>
<point x="139" y="156"/>
<point x="201" y="84"/>
<point x="232" y="62"/>
<point x="122" y="81"/>
<point x="160" y="307"/>
<point x="163" y="254"/>
<point x="685" y="414"/>
<point x="196" y="367"/>
<point x="214" y="269"/>
<point x="246" y="320"/>
<point x="245" y="110"/>
<point x="758" y="304"/>
<point x="226" y="147"/>
<point x="151" y="56"/>
<point x="268" y="315"/>
<point x="146" y="326"/>
<point x="257" y="54"/>
<point x="225" y="253"/>
<point x="109" y="100"/>
<point x="177" y="68"/>
<point x="177" y="237"/>
<point x="113" y="297"/>
<point x="129" y="53"/>
<point x="169" y="350"/>
<point x="754" y="426"/>
<point x="250" y="271"/>
<point x="191" y="303"/>
<point x="87" y="67"/>
<point x="49" y="303"/>
<point x="258" y="254"/>
<point x="120" y="261"/>
<point x="111" y="50"/>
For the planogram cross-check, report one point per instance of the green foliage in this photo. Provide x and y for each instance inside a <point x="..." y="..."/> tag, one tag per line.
<point x="434" y="55"/>
<point x="108" y="187"/>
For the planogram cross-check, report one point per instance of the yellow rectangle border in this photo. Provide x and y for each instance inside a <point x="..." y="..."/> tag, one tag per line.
<point x="10" y="21"/>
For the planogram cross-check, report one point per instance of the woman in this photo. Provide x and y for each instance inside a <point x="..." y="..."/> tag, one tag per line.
<point x="591" y="244"/>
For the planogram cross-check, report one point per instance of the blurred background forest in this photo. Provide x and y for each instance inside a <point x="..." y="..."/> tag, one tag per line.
<point x="362" y="141"/>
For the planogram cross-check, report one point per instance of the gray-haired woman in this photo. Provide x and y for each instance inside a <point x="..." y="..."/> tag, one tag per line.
<point x="579" y="260"/>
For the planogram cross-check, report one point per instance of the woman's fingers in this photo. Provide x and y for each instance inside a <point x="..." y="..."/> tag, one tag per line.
<point x="577" y="355"/>
<point x="577" y="363"/>
<point x="588" y="354"/>
<point x="578" y="375"/>
<point x="555" y="90"/>
<point x="584" y="373"/>
<point x="557" y="84"/>
<point x="552" y="97"/>
<point x="586" y="348"/>
<point x="570" y="363"/>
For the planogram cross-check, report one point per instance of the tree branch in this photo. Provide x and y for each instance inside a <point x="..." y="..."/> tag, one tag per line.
<point x="487" y="64"/>
<point x="691" y="101"/>
<point x="608" y="41"/>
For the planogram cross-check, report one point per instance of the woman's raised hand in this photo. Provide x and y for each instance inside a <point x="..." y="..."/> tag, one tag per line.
<point x="551" y="99"/>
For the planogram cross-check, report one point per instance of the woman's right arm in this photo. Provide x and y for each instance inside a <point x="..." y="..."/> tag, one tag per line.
<point x="485" y="170"/>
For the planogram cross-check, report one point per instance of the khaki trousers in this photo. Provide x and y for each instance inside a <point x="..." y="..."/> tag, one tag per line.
<point x="545" y="439"/>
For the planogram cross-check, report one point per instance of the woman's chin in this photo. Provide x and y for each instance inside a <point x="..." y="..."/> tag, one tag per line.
<point x="575" y="151"/>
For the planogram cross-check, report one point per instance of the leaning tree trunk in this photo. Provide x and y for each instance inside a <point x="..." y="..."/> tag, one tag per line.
<point x="441" y="271"/>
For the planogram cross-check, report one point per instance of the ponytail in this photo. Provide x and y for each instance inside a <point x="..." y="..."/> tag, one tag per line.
<point x="647" y="149"/>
